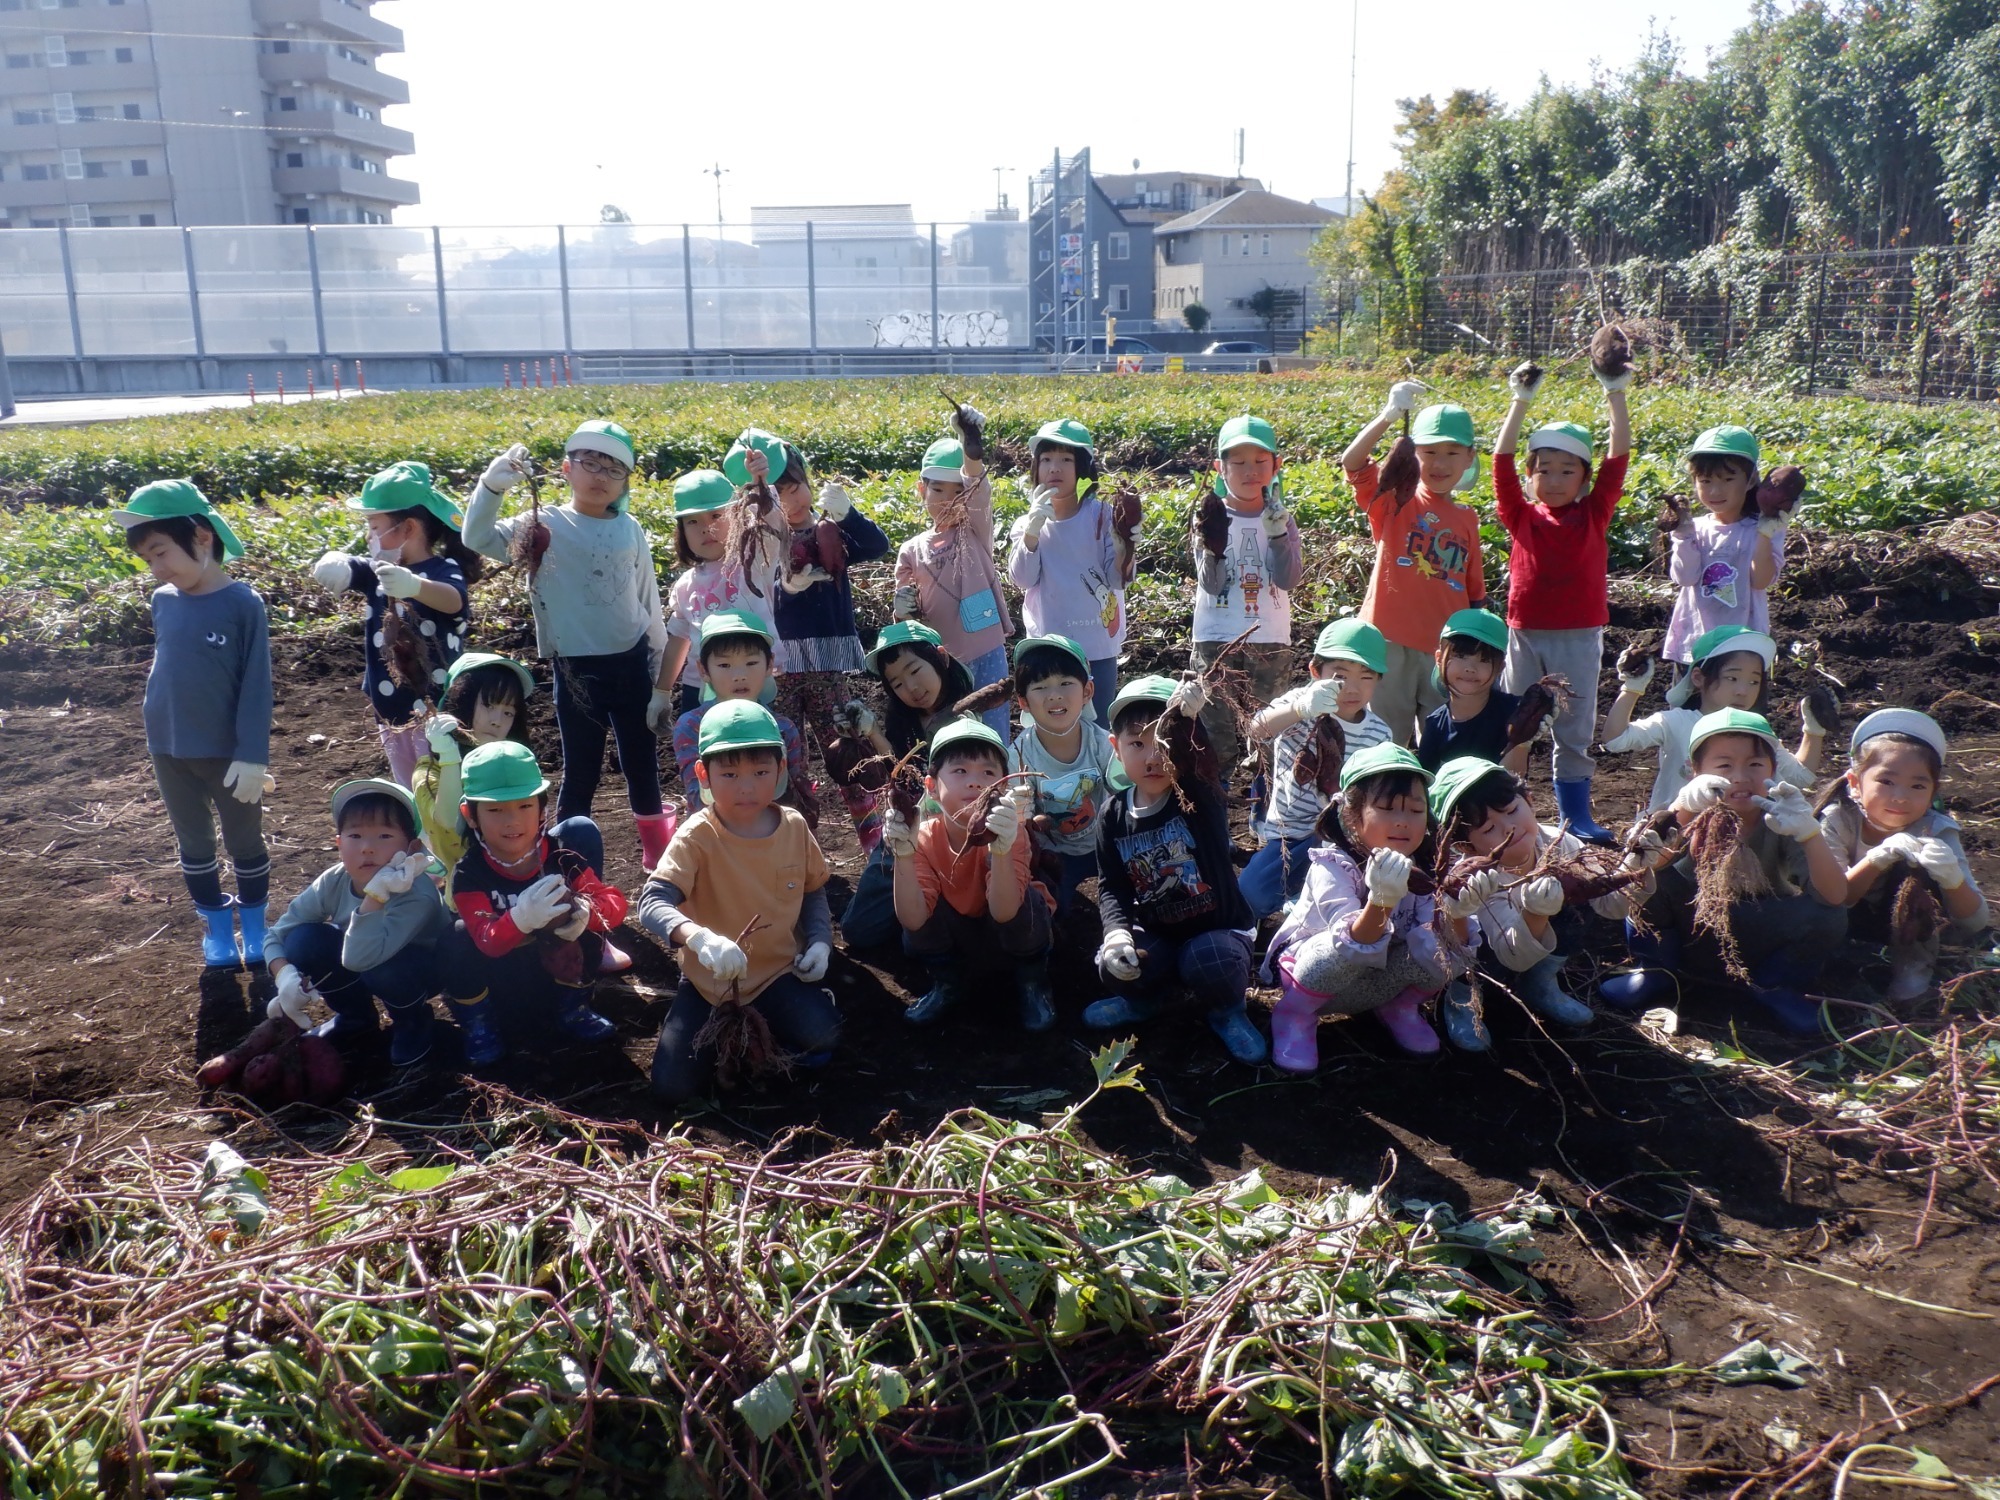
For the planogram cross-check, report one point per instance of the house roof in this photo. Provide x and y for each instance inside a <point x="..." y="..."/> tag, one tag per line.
<point x="1253" y="208"/>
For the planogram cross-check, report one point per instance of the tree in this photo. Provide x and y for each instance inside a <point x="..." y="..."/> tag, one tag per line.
<point x="1195" y="316"/>
<point x="611" y="213"/>
<point x="1275" y="305"/>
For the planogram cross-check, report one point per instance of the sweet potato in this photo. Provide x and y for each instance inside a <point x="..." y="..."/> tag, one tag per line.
<point x="1633" y="660"/>
<point x="325" y="1072"/>
<point x="906" y="787"/>
<point x="830" y="545"/>
<point x="1211" y="524"/>
<point x="1825" y="707"/>
<point x="1610" y="351"/>
<point x="226" y="1067"/>
<point x="979" y="700"/>
<point x="261" y="1077"/>
<point x="1126" y="514"/>
<point x="1779" y="491"/>
<point x="1674" y="512"/>
<point x="1915" y="916"/>
<point x="530" y="541"/>
<point x="970" y="433"/>
<point x="1550" y="695"/>
<point x="1320" y="758"/>
<point x="1401" y="472"/>
<point x="977" y="834"/>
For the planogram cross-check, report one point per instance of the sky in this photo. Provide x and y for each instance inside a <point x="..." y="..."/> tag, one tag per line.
<point x="528" y="112"/>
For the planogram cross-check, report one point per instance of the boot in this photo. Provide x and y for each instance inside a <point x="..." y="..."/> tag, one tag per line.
<point x="1031" y="986"/>
<point x="1656" y="958"/>
<point x="656" y="831"/>
<point x="484" y="1045"/>
<point x="614" y="959"/>
<point x="1244" y="1041"/>
<point x="1573" y="802"/>
<point x="1295" y="1029"/>
<point x="218" y="941"/>
<point x="1403" y="1019"/>
<point x="353" y="1015"/>
<point x="1115" y="1011"/>
<point x="1909" y="979"/>
<point x="1464" y="1027"/>
<point x="946" y="990"/>
<point x="251" y="920"/>
<point x="577" y="1019"/>
<point x="1777" y="984"/>
<point x="410" y="1029"/>
<point x="1541" y="992"/>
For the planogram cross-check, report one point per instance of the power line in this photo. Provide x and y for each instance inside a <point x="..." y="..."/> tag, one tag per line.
<point x="57" y="29"/>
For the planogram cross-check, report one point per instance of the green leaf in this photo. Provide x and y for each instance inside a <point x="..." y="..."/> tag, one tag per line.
<point x="1927" y="1465"/>
<point x="421" y="1179"/>
<point x="1757" y="1362"/>
<point x="769" y="1404"/>
<point x="1109" y="1065"/>
<point x="231" y="1188"/>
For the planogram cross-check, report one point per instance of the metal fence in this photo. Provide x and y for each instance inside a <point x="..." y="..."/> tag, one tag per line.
<point x="1907" y="324"/>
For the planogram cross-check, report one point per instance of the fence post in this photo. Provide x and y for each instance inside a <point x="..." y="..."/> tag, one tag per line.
<point x="687" y="280"/>
<point x="6" y="384"/>
<point x="319" y="299"/>
<point x="437" y="265"/>
<point x="562" y="272"/>
<point x="1923" y="362"/>
<point x="69" y="286"/>
<point x="934" y="290"/>
<point x="194" y="299"/>
<point x="812" y="293"/>
<point x="1819" y="309"/>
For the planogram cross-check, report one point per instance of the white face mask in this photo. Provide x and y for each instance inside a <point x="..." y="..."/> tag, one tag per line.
<point x="379" y="553"/>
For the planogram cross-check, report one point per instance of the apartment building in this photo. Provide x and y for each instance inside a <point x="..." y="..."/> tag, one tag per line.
<point x="1223" y="255"/>
<point x="132" y="112"/>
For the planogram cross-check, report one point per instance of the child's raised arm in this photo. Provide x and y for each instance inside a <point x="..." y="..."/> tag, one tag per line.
<point x="1621" y="417"/>
<point x="1522" y="383"/>
<point x="1403" y="397"/>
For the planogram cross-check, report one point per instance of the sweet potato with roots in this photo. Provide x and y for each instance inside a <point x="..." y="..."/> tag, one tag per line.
<point x="739" y="1034"/>
<point x="977" y="834"/>
<point x="1127" y="514"/>
<point x="972" y="434"/>
<point x="1674" y="513"/>
<point x="226" y="1067"/>
<point x="1401" y="472"/>
<point x="1550" y="695"/>
<point x="1915" y="915"/>
<point x="905" y="780"/>
<point x="1777" y="494"/>
<point x="1611" y="351"/>
<point x="752" y="539"/>
<point x="1211" y="523"/>
<point x="1320" y="758"/>
<point x="1725" y="873"/>
<point x="403" y="652"/>
<point x="530" y="540"/>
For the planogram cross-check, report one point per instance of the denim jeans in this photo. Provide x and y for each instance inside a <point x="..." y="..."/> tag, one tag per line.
<point x="992" y="667"/>
<point x="1276" y="873"/>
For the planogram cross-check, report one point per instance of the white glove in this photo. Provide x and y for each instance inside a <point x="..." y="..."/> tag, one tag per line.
<point x="1477" y="891"/>
<point x="1773" y="526"/>
<point x="1811" y="719"/>
<point x="247" y="781"/>
<point x="1935" y="859"/>
<point x="1405" y="394"/>
<point x="293" y="1000"/>
<point x="805" y="578"/>
<point x="1041" y="511"/>
<point x="397" y="581"/>
<point x="717" y="954"/>
<point x="1615" y="382"/>
<point x="334" y="572"/>
<point x="811" y="964"/>
<point x="395" y="877"/>
<point x="573" y="927"/>
<point x="1787" y="812"/>
<point x="1004" y="822"/>
<point x="660" y="707"/>
<point x="903" y="605"/>
<point x="968" y="422"/>
<point x="898" y="837"/>
<point x="1388" y="877"/>
<point x="1702" y="793"/>
<point x="1524" y="380"/>
<point x="506" y="471"/>
<point x="1897" y="846"/>
<point x="855" y="717"/>
<point x="1189" y="699"/>
<point x="441" y="734"/>
<point x="1639" y="681"/>
<point x="1275" y="520"/>
<point x="1542" y="896"/>
<point x="1324" y="697"/>
<point x="540" y="904"/>
<point x="1118" y="955"/>
<point x="835" y="501"/>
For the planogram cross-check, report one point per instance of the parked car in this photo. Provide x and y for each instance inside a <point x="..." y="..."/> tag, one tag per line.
<point x="1236" y="346"/>
<point x="1118" y="346"/>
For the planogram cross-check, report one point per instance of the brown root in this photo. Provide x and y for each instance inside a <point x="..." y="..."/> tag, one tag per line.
<point x="1915" y="915"/>
<point x="1725" y="873"/>
<point x="745" y="1048"/>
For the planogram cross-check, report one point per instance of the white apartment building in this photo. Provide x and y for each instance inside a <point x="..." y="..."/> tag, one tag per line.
<point x="1224" y="254"/>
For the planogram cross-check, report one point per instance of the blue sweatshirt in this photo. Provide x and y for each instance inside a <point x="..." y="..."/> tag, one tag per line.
<point x="825" y="612"/>
<point x="208" y="695"/>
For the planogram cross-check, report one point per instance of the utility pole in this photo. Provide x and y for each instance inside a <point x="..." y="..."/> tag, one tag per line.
<point x="999" y="190"/>
<point x="236" y="151"/>
<point x="716" y="172"/>
<point x="1353" y="73"/>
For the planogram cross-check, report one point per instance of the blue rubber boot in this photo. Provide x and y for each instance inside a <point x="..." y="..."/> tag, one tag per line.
<point x="354" y="1017"/>
<point x="1464" y="1027"/>
<point x="218" y="939"/>
<point x="1573" y="802"/>
<point x="578" y="1020"/>
<point x="945" y="992"/>
<point x="1656" y="961"/>
<point x="410" y="1030"/>
<point x="1031" y="989"/>
<point x="1541" y="992"/>
<point x="1119" y="1010"/>
<point x="1778" y="984"/>
<point x="484" y="1045"/>
<point x="1240" y="1035"/>
<point x="251" y="920"/>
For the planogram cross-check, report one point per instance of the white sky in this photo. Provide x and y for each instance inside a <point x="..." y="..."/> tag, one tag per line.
<point x="530" y="112"/>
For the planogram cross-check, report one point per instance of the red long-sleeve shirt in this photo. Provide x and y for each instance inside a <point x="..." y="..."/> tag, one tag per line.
<point x="1556" y="572"/>
<point x="484" y="895"/>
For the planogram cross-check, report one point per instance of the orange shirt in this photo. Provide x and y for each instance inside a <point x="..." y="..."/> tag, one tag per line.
<point x="725" y="880"/>
<point x="959" y="876"/>
<point x="1427" y="564"/>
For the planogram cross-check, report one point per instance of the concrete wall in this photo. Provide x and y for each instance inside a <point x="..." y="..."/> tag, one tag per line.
<point x="222" y="176"/>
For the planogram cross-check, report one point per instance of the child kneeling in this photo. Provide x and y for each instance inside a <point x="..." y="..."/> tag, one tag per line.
<point x="1358" y="940"/>
<point x="957" y="900"/>
<point x="745" y="866"/>
<point x="366" y="929"/>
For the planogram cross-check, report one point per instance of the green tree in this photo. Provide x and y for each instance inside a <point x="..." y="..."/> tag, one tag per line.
<point x="1274" y="305"/>
<point x="1195" y="316"/>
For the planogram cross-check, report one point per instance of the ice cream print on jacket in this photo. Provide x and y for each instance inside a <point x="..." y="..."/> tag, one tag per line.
<point x="1434" y="551"/>
<point x="1718" y="582"/>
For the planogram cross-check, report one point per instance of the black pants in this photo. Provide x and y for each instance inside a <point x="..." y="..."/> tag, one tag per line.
<point x="1785" y="940"/>
<point x="802" y="1016"/>
<point x="599" y="694"/>
<point x="526" y="988"/>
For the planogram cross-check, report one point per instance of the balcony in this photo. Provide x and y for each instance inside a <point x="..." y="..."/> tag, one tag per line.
<point x="337" y="124"/>
<point x="344" y="182"/>
<point x="89" y="134"/>
<point x="349" y="22"/>
<point x="324" y="67"/>
<point x="99" y="192"/>
<point x="110" y="77"/>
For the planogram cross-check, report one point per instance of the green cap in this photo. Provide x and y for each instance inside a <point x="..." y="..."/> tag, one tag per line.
<point x="1246" y="430"/>
<point x="702" y="490"/>
<point x="945" y="459"/>
<point x="736" y="462"/>
<point x="738" y="725"/>
<point x="1454" y="779"/>
<point x="720" y="622"/>
<point x="1721" y="641"/>
<point x="1448" y="423"/>
<point x="1733" y="721"/>
<point x="164" y="499"/>
<point x="347" y="791"/>
<point x="967" y="728"/>
<point x="1353" y="640"/>
<point x="1378" y="760"/>
<point x="1564" y="437"/>
<point x="1065" y="432"/>
<point x="407" y="486"/>
<point x="1729" y="442"/>
<point x="1476" y="625"/>
<point x="901" y="633"/>
<point x="504" y="771"/>
<point x="1062" y="643"/>
<point x="604" y="437"/>
<point x="473" y="660"/>
<point x="1154" y="689"/>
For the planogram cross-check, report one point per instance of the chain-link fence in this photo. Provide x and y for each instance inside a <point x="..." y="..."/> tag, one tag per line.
<point x="1905" y="324"/>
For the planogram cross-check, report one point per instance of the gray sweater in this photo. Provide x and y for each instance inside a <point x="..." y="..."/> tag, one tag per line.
<point x="370" y="938"/>
<point x="660" y="913"/>
<point x="208" y="696"/>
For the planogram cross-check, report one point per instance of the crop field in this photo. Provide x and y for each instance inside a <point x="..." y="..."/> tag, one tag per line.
<point x="1693" y="1259"/>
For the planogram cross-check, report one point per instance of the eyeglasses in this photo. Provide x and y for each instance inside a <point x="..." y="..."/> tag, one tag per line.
<point x="603" y="468"/>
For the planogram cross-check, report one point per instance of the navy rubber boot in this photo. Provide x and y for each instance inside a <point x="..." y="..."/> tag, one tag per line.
<point x="1656" y="959"/>
<point x="1240" y="1035"/>
<point x="1778" y="985"/>
<point x="945" y="992"/>
<point x="484" y="1045"/>
<point x="1464" y="1027"/>
<point x="1031" y="988"/>
<point x="410" y="1028"/>
<point x="1573" y="802"/>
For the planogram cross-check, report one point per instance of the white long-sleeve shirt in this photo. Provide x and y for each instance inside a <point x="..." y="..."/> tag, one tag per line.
<point x="1503" y="921"/>
<point x="1669" y="731"/>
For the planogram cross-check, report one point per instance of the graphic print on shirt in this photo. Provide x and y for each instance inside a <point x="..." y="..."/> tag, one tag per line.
<point x="1166" y="878"/>
<point x="1243" y="569"/>
<point x="1069" y="802"/>
<point x="1434" y="550"/>
<point x="1718" y="582"/>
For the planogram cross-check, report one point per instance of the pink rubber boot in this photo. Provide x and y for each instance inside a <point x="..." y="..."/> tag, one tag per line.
<point x="656" y="831"/>
<point x="1295" y="1026"/>
<point x="1404" y="1020"/>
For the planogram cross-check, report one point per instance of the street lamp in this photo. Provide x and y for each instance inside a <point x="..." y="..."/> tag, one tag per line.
<point x="242" y="183"/>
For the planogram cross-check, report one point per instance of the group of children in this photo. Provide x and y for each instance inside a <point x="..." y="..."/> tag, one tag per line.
<point x="1404" y="750"/>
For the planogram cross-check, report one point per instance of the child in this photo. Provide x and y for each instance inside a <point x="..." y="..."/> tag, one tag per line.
<point x="1732" y="669"/>
<point x="741" y="899"/>
<point x="415" y="579"/>
<point x="736" y="651"/>
<point x="1480" y="808"/>
<point x="366" y="929"/>
<point x="596" y="600"/>
<point x="1475" y="713"/>
<point x="708" y="580"/>
<point x="1247" y="586"/>
<point x="1427" y="564"/>
<point x="1879" y="815"/>
<point x="957" y="901"/>
<point x="1557" y="605"/>
<point x="208" y="707"/>
<point x="533" y="908"/>
<point x="485" y="700"/>
<point x="1067" y="749"/>
<point x="1786" y="935"/>
<point x="1067" y="559"/>
<point x="1348" y="661"/>
<point x="1357" y="940"/>
<point x="1166" y="889"/>
<point x="1725" y="560"/>
<point x="945" y="576"/>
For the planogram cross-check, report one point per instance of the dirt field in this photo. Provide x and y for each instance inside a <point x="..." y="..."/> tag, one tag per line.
<point x="104" y="1013"/>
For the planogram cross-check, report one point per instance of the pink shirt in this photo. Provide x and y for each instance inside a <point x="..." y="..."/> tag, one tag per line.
<point x="954" y="577"/>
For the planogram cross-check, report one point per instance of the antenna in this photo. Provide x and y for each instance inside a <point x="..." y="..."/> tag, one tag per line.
<point x="1353" y="73"/>
<point x="716" y="172"/>
<point x="999" y="191"/>
<point x="1239" y="151"/>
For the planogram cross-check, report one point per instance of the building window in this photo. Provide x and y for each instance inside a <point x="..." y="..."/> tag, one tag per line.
<point x="20" y="60"/>
<point x="1246" y="244"/>
<point x="35" y="172"/>
<point x="72" y="163"/>
<point x="141" y="167"/>
<point x="146" y="221"/>
<point x="79" y="216"/>
<point x="121" y="54"/>
<point x="1267" y="244"/>
<point x="295" y="158"/>
<point x="302" y="216"/>
<point x="1120" y="298"/>
<point x="131" y="111"/>
<point x="1120" y="246"/>
<point x="287" y="104"/>
<point x="97" y="169"/>
<point x="281" y="46"/>
<point x="65" y="109"/>
<point x="56" y="51"/>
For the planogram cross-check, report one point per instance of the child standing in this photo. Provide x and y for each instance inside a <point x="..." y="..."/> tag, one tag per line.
<point x="957" y="901"/>
<point x="1357" y="940"/>
<point x="1246" y="583"/>
<point x="1066" y="557"/>
<point x="1881" y="815"/>
<point x="708" y="580"/>
<point x="597" y="611"/>
<point x="208" y="707"/>
<point x="735" y="653"/>
<point x="945" y="576"/>
<point x="1067" y="750"/>
<point x="1474" y="716"/>
<point x="1557" y="605"/>
<point x="485" y="700"/>
<point x="366" y="929"/>
<point x="415" y="579"/>
<point x="1427" y="563"/>
<point x="1725" y="560"/>
<point x="1166" y="889"/>
<point x="741" y="899"/>
<point x="1348" y="661"/>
